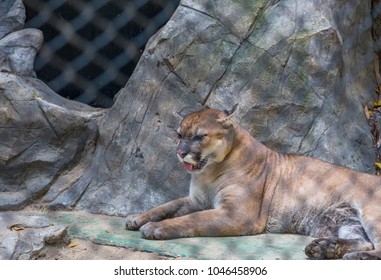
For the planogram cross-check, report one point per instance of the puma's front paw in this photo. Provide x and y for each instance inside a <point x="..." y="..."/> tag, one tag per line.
<point x="154" y="231"/>
<point x="135" y="221"/>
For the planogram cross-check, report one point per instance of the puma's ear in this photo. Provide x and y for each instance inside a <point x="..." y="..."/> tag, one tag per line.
<point x="228" y="120"/>
<point x="232" y="111"/>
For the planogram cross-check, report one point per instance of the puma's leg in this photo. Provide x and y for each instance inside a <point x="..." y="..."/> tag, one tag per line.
<point x="214" y="222"/>
<point x="351" y="238"/>
<point x="171" y="209"/>
<point x="372" y="226"/>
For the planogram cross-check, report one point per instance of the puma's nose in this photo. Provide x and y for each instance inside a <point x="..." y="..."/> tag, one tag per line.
<point x="182" y="149"/>
<point x="181" y="154"/>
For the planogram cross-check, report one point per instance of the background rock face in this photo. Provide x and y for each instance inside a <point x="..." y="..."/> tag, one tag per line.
<point x="301" y="72"/>
<point x="12" y="16"/>
<point x="42" y="135"/>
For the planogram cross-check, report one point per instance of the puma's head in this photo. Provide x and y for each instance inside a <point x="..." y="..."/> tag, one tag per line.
<point x="205" y="137"/>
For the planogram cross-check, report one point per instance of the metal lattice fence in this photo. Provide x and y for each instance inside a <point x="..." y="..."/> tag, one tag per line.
<point x="91" y="47"/>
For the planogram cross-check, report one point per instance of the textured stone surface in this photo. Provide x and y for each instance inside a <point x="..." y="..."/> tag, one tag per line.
<point x="12" y="16"/>
<point x="21" y="47"/>
<point x="23" y="236"/>
<point x="301" y="72"/>
<point x="42" y="136"/>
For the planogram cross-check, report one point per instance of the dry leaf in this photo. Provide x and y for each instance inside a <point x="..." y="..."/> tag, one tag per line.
<point x="36" y="95"/>
<point x="378" y="164"/>
<point x="367" y="112"/>
<point x="72" y="245"/>
<point x="17" y="228"/>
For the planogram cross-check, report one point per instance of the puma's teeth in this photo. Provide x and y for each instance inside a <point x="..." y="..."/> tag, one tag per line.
<point x="188" y="159"/>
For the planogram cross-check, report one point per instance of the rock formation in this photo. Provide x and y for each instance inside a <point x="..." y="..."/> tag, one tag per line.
<point x="300" y="70"/>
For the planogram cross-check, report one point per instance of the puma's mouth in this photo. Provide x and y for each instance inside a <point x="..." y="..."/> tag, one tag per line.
<point x="191" y="165"/>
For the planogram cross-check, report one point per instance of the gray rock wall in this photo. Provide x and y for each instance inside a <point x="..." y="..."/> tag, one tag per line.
<point x="300" y="70"/>
<point x="42" y="135"/>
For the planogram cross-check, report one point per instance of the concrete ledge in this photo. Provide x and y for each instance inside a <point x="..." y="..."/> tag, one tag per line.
<point x="108" y="230"/>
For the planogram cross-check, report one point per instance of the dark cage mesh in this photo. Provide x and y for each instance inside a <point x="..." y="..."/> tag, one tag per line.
<point x="92" y="47"/>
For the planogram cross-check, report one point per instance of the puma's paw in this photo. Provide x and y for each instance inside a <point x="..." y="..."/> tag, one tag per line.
<point x="153" y="231"/>
<point x="134" y="221"/>
<point x="362" y="255"/>
<point x="322" y="248"/>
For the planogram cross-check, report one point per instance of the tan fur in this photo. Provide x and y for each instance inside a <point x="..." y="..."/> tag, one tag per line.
<point x="240" y="187"/>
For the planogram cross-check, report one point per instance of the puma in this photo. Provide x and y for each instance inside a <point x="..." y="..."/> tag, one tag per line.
<point x="240" y="187"/>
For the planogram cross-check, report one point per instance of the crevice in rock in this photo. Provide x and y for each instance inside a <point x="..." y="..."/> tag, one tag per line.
<point x="210" y="16"/>
<point x="50" y="125"/>
<point x="171" y="69"/>
<point x="260" y="14"/>
<point x="221" y="77"/>
<point x="2" y="92"/>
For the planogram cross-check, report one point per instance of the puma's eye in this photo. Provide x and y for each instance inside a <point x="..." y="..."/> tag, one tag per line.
<point x="200" y="137"/>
